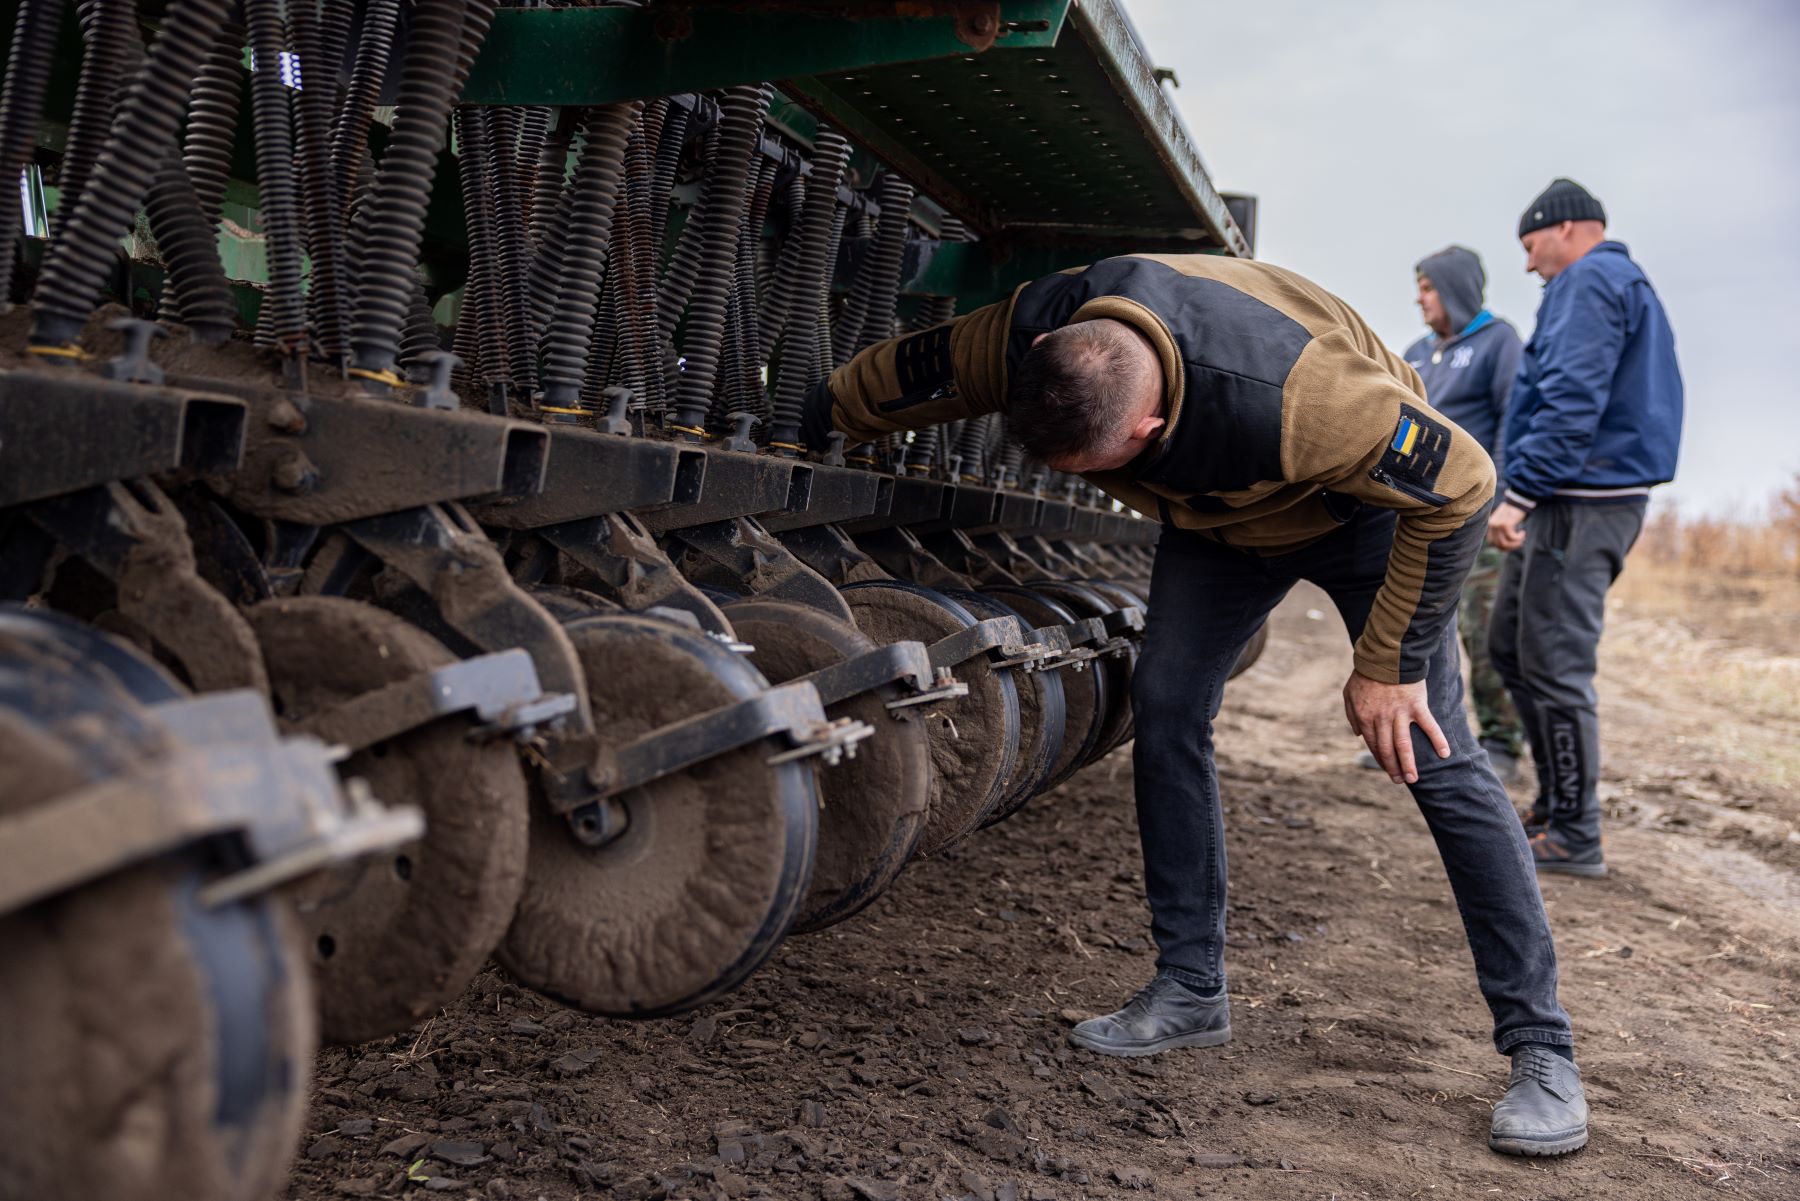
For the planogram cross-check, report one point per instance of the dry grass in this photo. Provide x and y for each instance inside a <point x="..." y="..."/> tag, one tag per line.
<point x="1712" y="608"/>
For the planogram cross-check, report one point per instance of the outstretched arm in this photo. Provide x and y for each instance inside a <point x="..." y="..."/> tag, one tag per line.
<point x="944" y="373"/>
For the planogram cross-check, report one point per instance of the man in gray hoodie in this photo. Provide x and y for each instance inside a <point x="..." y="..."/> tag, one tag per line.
<point x="1467" y="362"/>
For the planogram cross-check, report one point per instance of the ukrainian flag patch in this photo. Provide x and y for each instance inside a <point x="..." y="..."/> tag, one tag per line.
<point x="1405" y="438"/>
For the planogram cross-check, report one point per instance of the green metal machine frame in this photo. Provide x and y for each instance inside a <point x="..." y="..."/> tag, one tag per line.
<point x="1042" y="124"/>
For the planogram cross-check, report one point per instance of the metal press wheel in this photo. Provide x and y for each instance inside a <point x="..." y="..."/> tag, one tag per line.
<point x="875" y="805"/>
<point x="151" y="1046"/>
<point x="975" y="738"/>
<point x="395" y="939"/>
<point x="714" y="860"/>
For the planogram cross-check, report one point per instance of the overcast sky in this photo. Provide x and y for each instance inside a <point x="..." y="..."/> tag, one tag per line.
<point x="1377" y="132"/>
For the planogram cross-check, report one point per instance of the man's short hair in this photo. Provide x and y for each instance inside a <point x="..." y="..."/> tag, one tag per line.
<point x="1063" y="399"/>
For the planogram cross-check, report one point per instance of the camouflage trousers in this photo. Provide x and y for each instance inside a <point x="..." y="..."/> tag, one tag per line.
<point x="1497" y="722"/>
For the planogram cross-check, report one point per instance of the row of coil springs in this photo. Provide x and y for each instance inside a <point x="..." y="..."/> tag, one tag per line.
<point x="575" y="291"/>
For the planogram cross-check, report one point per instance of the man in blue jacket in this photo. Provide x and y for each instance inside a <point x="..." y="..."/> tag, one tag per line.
<point x="1467" y="362"/>
<point x="1594" y="424"/>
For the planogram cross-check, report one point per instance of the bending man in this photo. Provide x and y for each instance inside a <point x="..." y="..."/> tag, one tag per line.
<point x="1278" y="440"/>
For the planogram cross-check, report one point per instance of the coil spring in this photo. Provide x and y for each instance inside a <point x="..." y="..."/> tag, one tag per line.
<point x="21" y="103"/>
<point x="189" y="246"/>
<point x="822" y="342"/>
<point x="595" y="190"/>
<point x="684" y="264"/>
<point x="534" y="127"/>
<point x="350" y="133"/>
<point x="109" y="34"/>
<point x="662" y="179"/>
<point x="855" y="306"/>
<point x="485" y="351"/>
<point x="603" y="339"/>
<point x="420" y="335"/>
<point x="392" y="224"/>
<point x="935" y="310"/>
<point x="548" y="183"/>
<point x="509" y="228"/>
<point x="271" y="112"/>
<point x="882" y="265"/>
<point x="721" y="195"/>
<point x="465" y="379"/>
<point x="212" y="119"/>
<point x="546" y="264"/>
<point x="636" y="260"/>
<point x="321" y="34"/>
<point x="971" y="447"/>
<point x="741" y="389"/>
<point x="658" y="351"/>
<point x="77" y="262"/>
<point x="1012" y="457"/>
<point x="797" y="342"/>
<point x="785" y="282"/>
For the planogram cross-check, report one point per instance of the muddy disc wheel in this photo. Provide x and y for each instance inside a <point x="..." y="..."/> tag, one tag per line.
<point x="974" y="739"/>
<point x="875" y="805"/>
<point x="714" y="860"/>
<point x="394" y="939"/>
<point x="150" y="1046"/>
<point x="1084" y="691"/>
<point x="568" y="604"/>
<point x="1121" y="597"/>
<point x="1114" y="675"/>
<point x="1043" y="715"/>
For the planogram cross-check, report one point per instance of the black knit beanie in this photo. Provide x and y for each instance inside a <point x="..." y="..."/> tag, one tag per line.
<point x="1563" y="200"/>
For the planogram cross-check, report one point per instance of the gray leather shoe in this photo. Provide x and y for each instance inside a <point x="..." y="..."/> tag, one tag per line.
<point x="1163" y="1015"/>
<point x="1544" y="1111"/>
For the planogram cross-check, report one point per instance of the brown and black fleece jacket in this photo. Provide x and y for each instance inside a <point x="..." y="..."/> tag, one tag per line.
<point x="1285" y="415"/>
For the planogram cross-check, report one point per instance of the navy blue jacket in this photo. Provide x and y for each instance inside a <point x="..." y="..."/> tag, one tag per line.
<point x="1596" y="410"/>
<point x="1469" y="376"/>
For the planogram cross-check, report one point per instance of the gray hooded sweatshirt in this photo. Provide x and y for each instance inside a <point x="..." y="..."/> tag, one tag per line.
<point x="1469" y="375"/>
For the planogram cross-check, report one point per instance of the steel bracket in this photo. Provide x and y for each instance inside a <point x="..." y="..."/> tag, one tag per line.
<point x="792" y="712"/>
<point x="740" y="553"/>
<point x="281" y="796"/>
<point x="625" y="564"/>
<point x="443" y="552"/>
<point x="134" y="535"/>
<point x="905" y="663"/>
<point x="1002" y="639"/>
<point x="500" y="691"/>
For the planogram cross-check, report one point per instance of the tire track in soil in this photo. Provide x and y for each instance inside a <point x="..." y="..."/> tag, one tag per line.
<point x="918" y="1050"/>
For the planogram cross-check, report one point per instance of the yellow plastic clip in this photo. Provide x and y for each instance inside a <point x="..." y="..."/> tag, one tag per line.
<point x="688" y="429"/>
<point x="793" y="446"/>
<point x="71" y="351"/>
<point x="380" y="377"/>
<point x="567" y="412"/>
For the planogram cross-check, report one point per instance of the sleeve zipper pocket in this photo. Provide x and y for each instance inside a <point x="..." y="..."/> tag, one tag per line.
<point x="1422" y="495"/>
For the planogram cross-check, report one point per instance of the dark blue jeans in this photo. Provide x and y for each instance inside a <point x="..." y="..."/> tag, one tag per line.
<point x="1205" y="601"/>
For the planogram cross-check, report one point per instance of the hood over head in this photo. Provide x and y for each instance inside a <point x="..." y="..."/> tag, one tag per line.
<point x="1456" y="273"/>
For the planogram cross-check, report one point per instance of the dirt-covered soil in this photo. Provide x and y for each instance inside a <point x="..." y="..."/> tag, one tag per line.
<point x="918" y="1051"/>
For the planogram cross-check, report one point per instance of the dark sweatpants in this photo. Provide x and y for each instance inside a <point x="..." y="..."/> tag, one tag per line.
<point x="1205" y="601"/>
<point x="1544" y="640"/>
